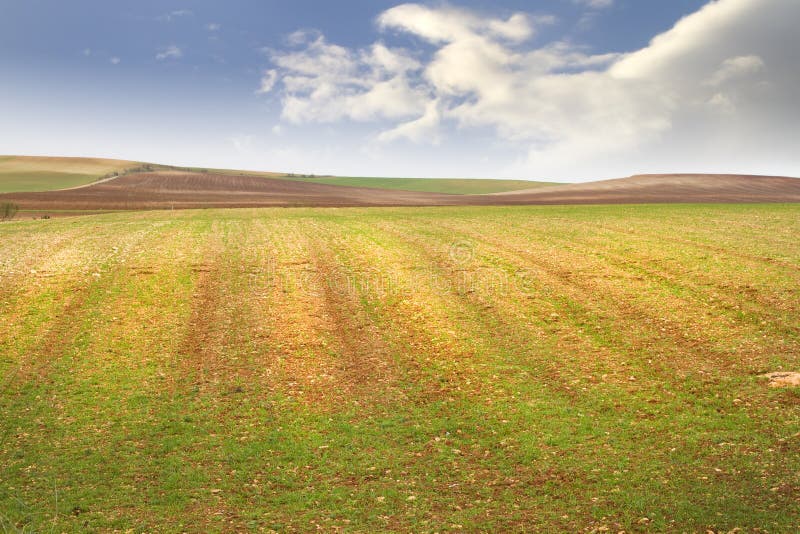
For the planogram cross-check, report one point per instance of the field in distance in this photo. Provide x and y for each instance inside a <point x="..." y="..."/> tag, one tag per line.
<point x="34" y="173"/>
<point x="150" y="186"/>
<point x="500" y="369"/>
<point x="457" y="186"/>
<point x="40" y="173"/>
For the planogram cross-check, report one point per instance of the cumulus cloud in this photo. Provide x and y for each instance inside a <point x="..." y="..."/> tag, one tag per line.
<point x="735" y="68"/>
<point x="169" y="52"/>
<point x="449" y="24"/>
<point x="324" y="82"/>
<point x="425" y="128"/>
<point x="213" y="26"/>
<point x="717" y="86"/>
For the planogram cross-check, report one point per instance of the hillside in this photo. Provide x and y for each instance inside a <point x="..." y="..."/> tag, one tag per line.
<point x="39" y="173"/>
<point x="179" y="189"/>
<point x="173" y="189"/>
<point x="67" y="184"/>
<point x="665" y="188"/>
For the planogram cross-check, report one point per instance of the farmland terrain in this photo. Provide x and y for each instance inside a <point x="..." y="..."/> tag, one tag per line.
<point x="32" y="173"/>
<point x="666" y="188"/>
<point x="41" y="173"/>
<point x="522" y="368"/>
<point x="171" y="189"/>
<point x="458" y="186"/>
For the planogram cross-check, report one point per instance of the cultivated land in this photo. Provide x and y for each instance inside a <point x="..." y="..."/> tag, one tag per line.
<point x="667" y="188"/>
<point x="183" y="189"/>
<point x="457" y="186"/>
<point x="179" y="189"/>
<point x="42" y="173"/>
<point x="402" y="369"/>
<point x="33" y="173"/>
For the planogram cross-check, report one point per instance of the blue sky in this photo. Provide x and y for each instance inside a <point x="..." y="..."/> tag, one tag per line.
<point x="559" y="89"/>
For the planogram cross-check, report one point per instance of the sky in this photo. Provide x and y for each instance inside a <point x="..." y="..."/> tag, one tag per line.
<point x="564" y="90"/>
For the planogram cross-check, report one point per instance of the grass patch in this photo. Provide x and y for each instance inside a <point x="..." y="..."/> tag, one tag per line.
<point x="18" y="181"/>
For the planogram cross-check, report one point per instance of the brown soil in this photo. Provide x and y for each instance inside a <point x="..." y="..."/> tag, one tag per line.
<point x="166" y="190"/>
<point x="664" y="188"/>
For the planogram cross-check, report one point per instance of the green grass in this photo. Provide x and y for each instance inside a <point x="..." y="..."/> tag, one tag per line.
<point x="33" y="173"/>
<point x="15" y="181"/>
<point x="542" y="369"/>
<point x="460" y="186"/>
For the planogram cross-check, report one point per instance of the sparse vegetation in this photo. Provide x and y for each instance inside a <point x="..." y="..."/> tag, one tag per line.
<point x="8" y="210"/>
<point x="478" y="369"/>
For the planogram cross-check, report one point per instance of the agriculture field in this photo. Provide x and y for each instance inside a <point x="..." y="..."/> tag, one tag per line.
<point x="23" y="174"/>
<point x="457" y="186"/>
<point x="178" y="188"/>
<point x="402" y="369"/>
<point x="32" y="173"/>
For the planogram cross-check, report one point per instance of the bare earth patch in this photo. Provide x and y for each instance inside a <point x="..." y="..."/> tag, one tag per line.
<point x="783" y="379"/>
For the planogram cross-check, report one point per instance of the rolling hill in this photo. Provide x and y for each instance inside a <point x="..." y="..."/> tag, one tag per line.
<point x="40" y="173"/>
<point x="163" y="187"/>
<point x="665" y="188"/>
<point x="35" y="173"/>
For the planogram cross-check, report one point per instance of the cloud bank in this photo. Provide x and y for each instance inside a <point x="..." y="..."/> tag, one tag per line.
<point x="716" y="92"/>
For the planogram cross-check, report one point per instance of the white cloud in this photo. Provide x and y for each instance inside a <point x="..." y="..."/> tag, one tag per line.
<point x="115" y="60"/>
<point x="722" y="103"/>
<point x="450" y="24"/>
<point x="268" y="80"/>
<point x="300" y="37"/>
<point x="717" y="89"/>
<point x="169" y="52"/>
<point x="213" y="27"/>
<point x="595" y="4"/>
<point x="425" y="128"/>
<point x="736" y="68"/>
<point x="323" y="82"/>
